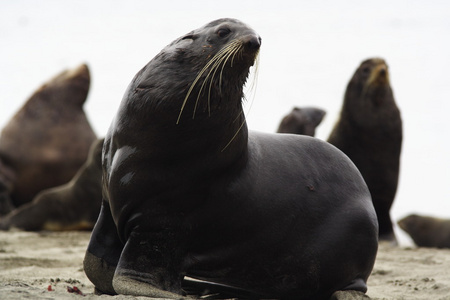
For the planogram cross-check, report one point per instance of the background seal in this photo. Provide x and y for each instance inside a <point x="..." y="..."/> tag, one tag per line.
<point x="369" y="131"/>
<point x="301" y="121"/>
<point x="72" y="206"/>
<point x="48" y="139"/>
<point x="427" y="231"/>
<point x="188" y="191"/>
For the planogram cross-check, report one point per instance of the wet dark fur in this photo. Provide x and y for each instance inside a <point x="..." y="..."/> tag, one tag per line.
<point x="369" y="131"/>
<point x="191" y="192"/>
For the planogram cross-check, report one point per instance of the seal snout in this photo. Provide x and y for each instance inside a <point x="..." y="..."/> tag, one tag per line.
<point x="382" y="71"/>
<point x="252" y="42"/>
<point x="379" y="74"/>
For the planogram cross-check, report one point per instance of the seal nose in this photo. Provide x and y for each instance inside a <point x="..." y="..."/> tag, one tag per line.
<point x="253" y="42"/>
<point x="379" y="75"/>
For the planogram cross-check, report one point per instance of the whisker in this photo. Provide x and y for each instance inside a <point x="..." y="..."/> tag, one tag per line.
<point x="253" y="92"/>
<point x="212" y="61"/>
<point x="232" y="51"/>
<point x="254" y="78"/>
<point x="238" y="51"/>
<point x="234" y="136"/>
<point x="223" y="61"/>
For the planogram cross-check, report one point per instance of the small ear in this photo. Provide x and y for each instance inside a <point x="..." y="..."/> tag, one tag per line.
<point x="177" y="47"/>
<point x="189" y="36"/>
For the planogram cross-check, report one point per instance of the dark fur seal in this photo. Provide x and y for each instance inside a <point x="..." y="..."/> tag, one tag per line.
<point x="427" y="231"/>
<point x="190" y="192"/>
<point x="302" y="121"/>
<point x="48" y="139"/>
<point x="369" y="131"/>
<point x="72" y="206"/>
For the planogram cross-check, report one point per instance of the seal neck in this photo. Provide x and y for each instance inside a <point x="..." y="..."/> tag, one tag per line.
<point x="212" y="141"/>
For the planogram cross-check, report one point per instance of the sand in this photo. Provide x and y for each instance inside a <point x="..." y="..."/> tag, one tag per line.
<point x="31" y="263"/>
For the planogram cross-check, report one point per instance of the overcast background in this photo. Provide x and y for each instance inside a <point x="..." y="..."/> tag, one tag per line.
<point x="310" y="50"/>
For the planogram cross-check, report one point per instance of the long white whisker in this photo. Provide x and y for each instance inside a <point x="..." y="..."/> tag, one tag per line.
<point x="212" y="61"/>
<point x="232" y="52"/>
<point x="253" y="89"/>
<point x="222" y="61"/>
<point x="202" y="71"/>
<point x="234" y="136"/>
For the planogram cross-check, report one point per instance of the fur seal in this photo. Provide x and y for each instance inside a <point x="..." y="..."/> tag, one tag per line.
<point x="72" y="206"/>
<point x="369" y="131"/>
<point x="190" y="192"/>
<point x="302" y="121"/>
<point x="48" y="139"/>
<point x="427" y="231"/>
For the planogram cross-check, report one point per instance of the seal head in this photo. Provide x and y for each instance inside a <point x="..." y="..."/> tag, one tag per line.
<point x="302" y="121"/>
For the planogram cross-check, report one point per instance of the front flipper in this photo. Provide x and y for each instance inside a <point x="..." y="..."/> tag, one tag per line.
<point x="103" y="252"/>
<point x="354" y="291"/>
<point x="349" y="295"/>
<point x="148" y="267"/>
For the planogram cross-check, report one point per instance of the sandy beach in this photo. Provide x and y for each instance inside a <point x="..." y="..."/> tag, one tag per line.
<point x="47" y="265"/>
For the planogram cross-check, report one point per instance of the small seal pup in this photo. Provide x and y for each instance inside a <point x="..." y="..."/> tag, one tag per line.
<point x="302" y="121"/>
<point x="72" y="206"/>
<point x="369" y="131"/>
<point x="427" y="231"/>
<point x="48" y="139"/>
<point x="190" y="192"/>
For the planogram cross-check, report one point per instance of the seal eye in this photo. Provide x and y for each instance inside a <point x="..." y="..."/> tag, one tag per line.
<point x="223" y="32"/>
<point x="366" y="70"/>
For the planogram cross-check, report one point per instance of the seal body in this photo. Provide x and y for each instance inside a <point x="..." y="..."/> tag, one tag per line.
<point x="48" y="139"/>
<point x="369" y="131"/>
<point x="72" y="206"/>
<point x="302" y="121"/>
<point x="427" y="231"/>
<point x="195" y="202"/>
